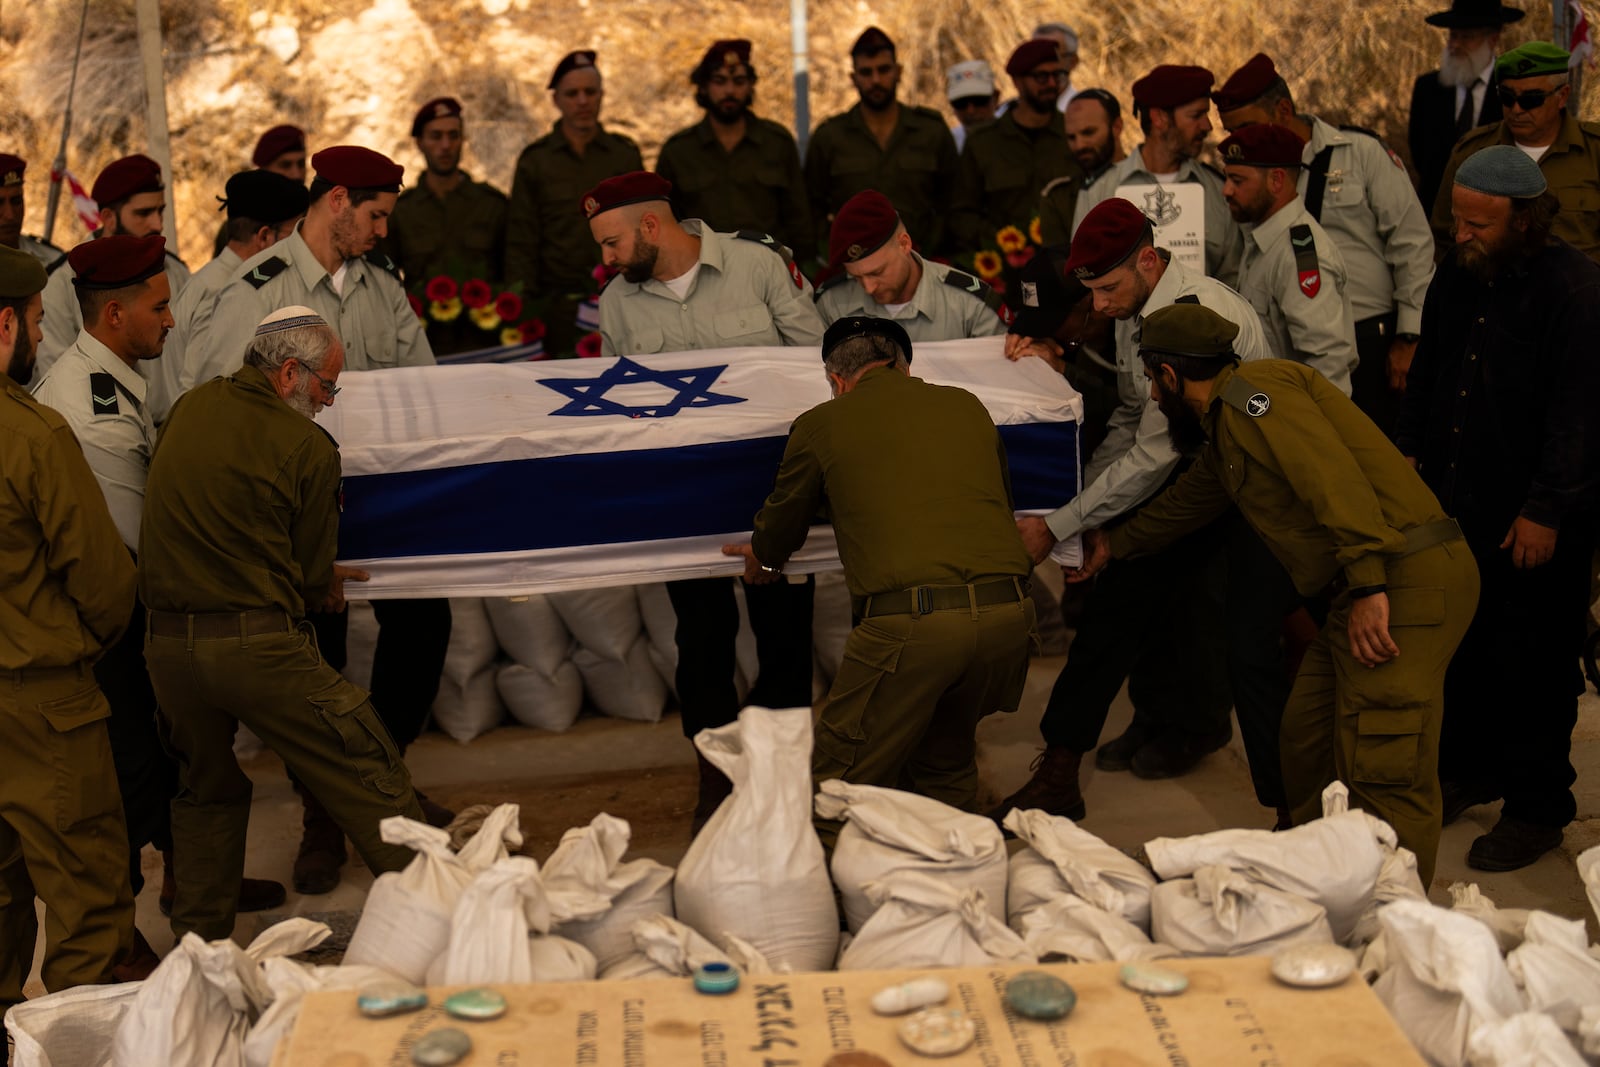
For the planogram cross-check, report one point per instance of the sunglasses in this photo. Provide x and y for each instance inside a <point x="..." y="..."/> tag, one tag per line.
<point x="1527" y="100"/>
<point x="970" y="102"/>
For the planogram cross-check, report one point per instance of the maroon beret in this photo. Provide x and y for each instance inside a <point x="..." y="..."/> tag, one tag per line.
<point x="358" y="168"/>
<point x="1168" y="86"/>
<point x="734" y="53"/>
<point x="1263" y="144"/>
<point x="1245" y="85"/>
<point x="11" y="168"/>
<point x="128" y="175"/>
<point x="636" y="187"/>
<point x="1105" y="238"/>
<point x="863" y="225"/>
<point x="445" y="107"/>
<point x="1030" y="54"/>
<point x="117" y="262"/>
<point x="275" y="142"/>
<point x="871" y="42"/>
<point x="582" y="59"/>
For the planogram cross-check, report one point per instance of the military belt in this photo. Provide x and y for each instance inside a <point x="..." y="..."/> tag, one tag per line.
<point x="36" y="675"/>
<point x="1429" y="534"/>
<point x="212" y="625"/>
<point x="930" y="598"/>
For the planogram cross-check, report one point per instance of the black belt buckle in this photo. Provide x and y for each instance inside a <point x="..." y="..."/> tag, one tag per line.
<point x="924" y="600"/>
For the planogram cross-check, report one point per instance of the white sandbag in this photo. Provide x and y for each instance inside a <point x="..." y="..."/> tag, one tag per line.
<point x="290" y="982"/>
<point x="923" y="920"/>
<point x="1332" y="861"/>
<point x="1525" y="1040"/>
<point x="756" y="870"/>
<point x="1507" y="924"/>
<point x="556" y="959"/>
<point x="1221" y="912"/>
<point x="489" y="928"/>
<point x="72" y="1028"/>
<point x="1061" y="857"/>
<point x="660" y="627"/>
<point x="1589" y="870"/>
<point x="635" y="965"/>
<point x="405" y="924"/>
<point x="1588" y="1031"/>
<point x="1070" y="928"/>
<point x="1397" y="877"/>
<point x="468" y="703"/>
<point x="588" y="864"/>
<point x="1554" y="969"/>
<point x="1445" y="979"/>
<point x="540" y="686"/>
<point x="830" y="627"/>
<point x="613" y="652"/>
<point x="888" y="831"/>
<point x="675" y="947"/>
<point x="197" y="1007"/>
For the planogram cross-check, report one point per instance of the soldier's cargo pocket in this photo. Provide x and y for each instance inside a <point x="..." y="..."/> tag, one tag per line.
<point x="84" y="777"/>
<point x="1388" y="746"/>
<point x="1416" y="607"/>
<point x="870" y="653"/>
<point x="349" y="714"/>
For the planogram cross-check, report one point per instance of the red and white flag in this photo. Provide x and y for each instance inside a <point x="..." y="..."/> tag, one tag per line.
<point x="1578" y="42"/>
<point x="88" y="210"/>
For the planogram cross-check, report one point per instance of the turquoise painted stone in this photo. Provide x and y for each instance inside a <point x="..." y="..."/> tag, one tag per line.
<point x="1157" y="981"/>
<point x="390" y="998"/>
<point x="1037" y="995"/>
<point x="441" y="1048"/>
<point x="476" y="1004"/>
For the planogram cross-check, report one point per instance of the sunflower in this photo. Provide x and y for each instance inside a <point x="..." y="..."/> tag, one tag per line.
<point x="1011" y="239"/>
<point x="1036" y="231"/>
<point x="511" y="335"/>
<point x="445" y="310"/>
<point x="484" y="318"/>
<point x="988" y="265"/>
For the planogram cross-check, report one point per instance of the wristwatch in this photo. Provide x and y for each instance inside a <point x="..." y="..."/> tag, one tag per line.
<point x="770" y="570"/>
<point x="1408" y="338"/>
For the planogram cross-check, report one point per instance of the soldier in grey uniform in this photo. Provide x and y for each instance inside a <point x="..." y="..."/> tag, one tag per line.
<point x="878" y="275"/>
<point x="133" y="201"/>
<point x="13" y="210"/>
<point x="1358" y="190"/>
<point x="1173" y="105"/>
<point x="323" y="265"/>
<point x="1292" y="273"/>
<point x="683" y="287"/>
<point x="263" y="208"/>
<point x="737" y="289"/>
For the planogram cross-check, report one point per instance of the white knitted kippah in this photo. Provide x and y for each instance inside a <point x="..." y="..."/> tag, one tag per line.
<point x="290" y="318"/>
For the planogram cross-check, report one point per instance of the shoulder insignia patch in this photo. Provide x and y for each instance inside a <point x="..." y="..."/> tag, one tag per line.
<point x="768" y="241"/>
<point x="1057" y="183"/>
<point x="52" y="268"/>
<point x="832" y="282"/>
<point x="266" y="270"/>
<point x="1304" y="243"/>
<point x="1187" y="298"/>
<point x="968" y="283"/>
<point x="103" y="394"/>
<point x="1242" y="396"/>
<point x="1393" y="158"/>
<point x="383" y="263"/>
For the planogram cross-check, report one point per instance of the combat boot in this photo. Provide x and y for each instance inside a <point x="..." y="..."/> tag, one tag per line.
<point x="1052" y="789"/>
<point x="1117" y="754"/>
<point x="322" y="853"/>
<point x="434" y="814"/>
<point x="714" y="789"/>
<point x="255" y="894"/>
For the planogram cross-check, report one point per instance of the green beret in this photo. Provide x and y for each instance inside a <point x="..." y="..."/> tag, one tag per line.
<point x="1532" y="60"/>
<point x="1187" y="330"/>
<point x="21" y="275"/>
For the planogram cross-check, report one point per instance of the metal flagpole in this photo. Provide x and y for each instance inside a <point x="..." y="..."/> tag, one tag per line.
<point x="802" y="74"/>
<point x="59" y="167"/>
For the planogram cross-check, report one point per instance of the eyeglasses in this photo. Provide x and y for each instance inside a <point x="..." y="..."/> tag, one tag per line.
<point x="967" y="102"/>
<point x="1527" y="100"/>
<point x="327" y="386"/>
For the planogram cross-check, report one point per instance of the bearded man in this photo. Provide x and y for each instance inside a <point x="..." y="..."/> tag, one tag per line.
<point x="1500" y="421"/>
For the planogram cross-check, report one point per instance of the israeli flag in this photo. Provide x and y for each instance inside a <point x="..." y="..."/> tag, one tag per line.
<point x="511" y="479"/>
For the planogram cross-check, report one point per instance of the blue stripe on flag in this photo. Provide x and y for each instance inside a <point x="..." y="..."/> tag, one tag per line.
<point x="618" y="497"/>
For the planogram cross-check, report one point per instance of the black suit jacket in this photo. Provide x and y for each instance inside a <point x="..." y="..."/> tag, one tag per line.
<point x="1432" y="132"/>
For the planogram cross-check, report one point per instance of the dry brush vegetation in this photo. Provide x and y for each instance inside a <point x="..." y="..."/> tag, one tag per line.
<point x="355" y="74"/>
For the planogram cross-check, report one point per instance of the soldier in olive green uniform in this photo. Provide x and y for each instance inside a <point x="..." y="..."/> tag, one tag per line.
<point x="1534" y="91"/>
<point x="734" y="170"/>
<point x="548" y="247"/>
<point x="941" y="593"/>
<point x="241" y="524"/>
<point x="1006" y="166"/>
<point x="66" y="598"/>
<point x="904" y="152"/>
<point x="1349" y="518"/>
<point x="878" y="274"/>
<point x="447" y="223"/>
<point x="13" y="210"/>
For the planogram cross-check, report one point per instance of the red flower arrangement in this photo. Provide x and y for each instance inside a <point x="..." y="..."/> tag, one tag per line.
<point x="476" y="293"/>
<point x="508" y="306"/>
<point x="416" y="304"/>
<point x="532" y="330"/>
<point x="589" y="345"/>
<point x="442" y="288"/>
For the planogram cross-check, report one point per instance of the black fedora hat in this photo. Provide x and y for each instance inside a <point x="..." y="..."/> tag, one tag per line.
<point x="1475" y="14"/>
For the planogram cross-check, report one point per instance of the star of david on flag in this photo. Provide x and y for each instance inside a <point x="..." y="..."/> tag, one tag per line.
<point x="691" y="389"/>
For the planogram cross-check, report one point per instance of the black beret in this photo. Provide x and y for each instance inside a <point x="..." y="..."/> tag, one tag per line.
<point x="265" y="197"/>
<point x="582" y="59"/>
<point x="865" y="326"/>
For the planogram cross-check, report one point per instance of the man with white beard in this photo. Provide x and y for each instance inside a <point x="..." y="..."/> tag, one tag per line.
<point x="1460" y="95"/>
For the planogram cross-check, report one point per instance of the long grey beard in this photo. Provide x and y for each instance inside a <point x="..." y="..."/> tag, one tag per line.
<point x="300" y="400"/>
<point x="1461" y="71"/>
